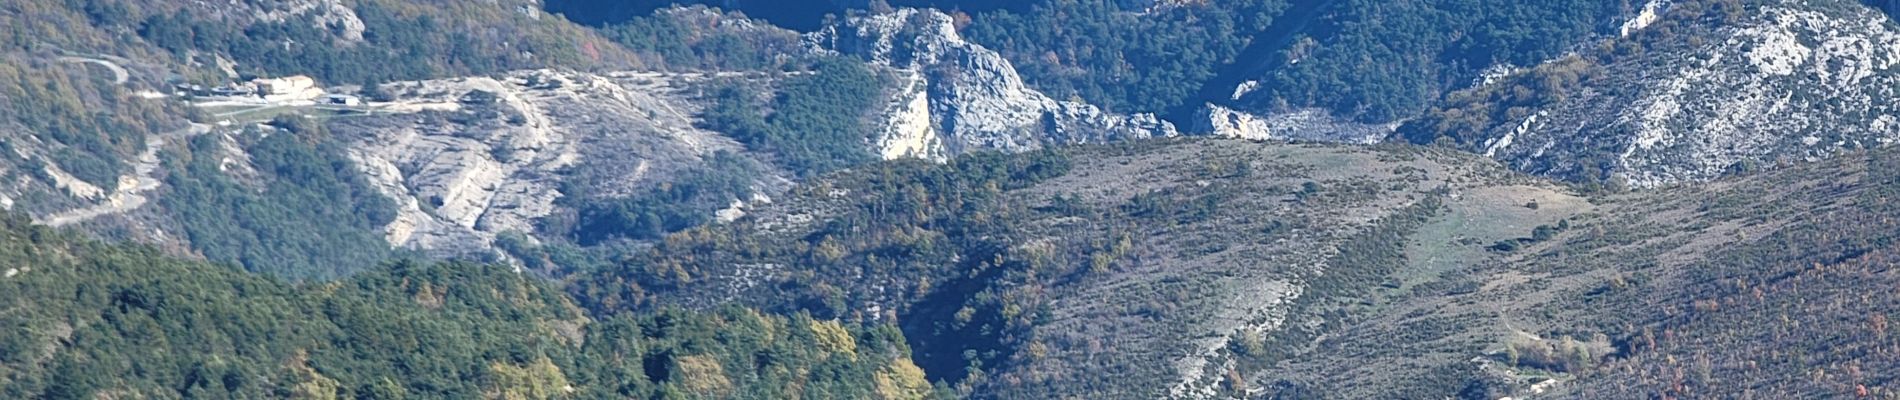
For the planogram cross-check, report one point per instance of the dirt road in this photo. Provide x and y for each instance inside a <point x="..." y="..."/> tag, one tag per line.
<point x="130" y="194"/>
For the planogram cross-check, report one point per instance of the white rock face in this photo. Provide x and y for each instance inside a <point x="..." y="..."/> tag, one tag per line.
<point x="465" y="171"/>
<point x="1652" y="11"/>
<point x="1305" y="125"/>
<point x="907" y="130"/>
<point x="71" y="184"/>
<point x="975" y="99"/>
<point x="1792" y="80"/>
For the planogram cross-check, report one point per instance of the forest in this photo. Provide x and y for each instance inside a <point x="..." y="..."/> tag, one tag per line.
<point x="305" y="213"/>
<point x="1387" y="60"/>
<point x="404" y="329"/>
<point x="1119" y="57"/>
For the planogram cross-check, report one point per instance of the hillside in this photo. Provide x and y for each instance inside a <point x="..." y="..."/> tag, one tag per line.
<point x="87" y="320"/>
<point x="1713" y="291"/>
<point x="534" y="129"/>
<point x="1039" y="275"/>
<point x="991" y="200"/>
<point x="95" y="104"/>
<point x="1709" y="88"/>
<point x="1213" y="269"/>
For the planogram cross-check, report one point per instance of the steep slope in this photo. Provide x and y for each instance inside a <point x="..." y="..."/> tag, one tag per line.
<point x="87" y="320"/>
<point x="1710" y="88"/>
<point x="1239" y="269"/>
<point x="1044" y="274"/>
<point x="1352" y="62"/>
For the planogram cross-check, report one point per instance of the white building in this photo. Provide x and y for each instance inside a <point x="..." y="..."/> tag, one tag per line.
<point x="288" y="88"/>
<point x="343" y="99"/>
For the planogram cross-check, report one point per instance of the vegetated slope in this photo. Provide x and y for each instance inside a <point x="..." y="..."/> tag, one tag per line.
<point x="290" y="205"/>
<point x="1782" y="288"/>
<point x="1710" y="88"/>
<point x="1229" y="269"/>
<point x="702" y="38"/>
<point x="87" y="320"/>
<point x="365" y="41"/>
<point x="1046" y="274"/>
<point x="803" y="15"/>
<point x="70" y="130"/>
<point x="1138" y="57"/>
<point x="1380" y="61"/>
<point x="1370" y="61"/>
<point x="1373" y="61"/>
<point x="1769" y="285"/>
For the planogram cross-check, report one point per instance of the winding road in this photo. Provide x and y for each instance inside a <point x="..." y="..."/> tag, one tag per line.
<point x="119" y="75"/>
<point x="130" y="193"/>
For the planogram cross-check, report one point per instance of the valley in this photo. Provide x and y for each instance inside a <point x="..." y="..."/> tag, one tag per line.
<point x="1130" y="199"/>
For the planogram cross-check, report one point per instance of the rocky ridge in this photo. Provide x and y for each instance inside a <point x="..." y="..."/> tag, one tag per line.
<point x="1784" y="81"/>
<point x="957" y="97"/>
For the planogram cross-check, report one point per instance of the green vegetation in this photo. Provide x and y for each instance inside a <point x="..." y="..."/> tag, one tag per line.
<point x="1363" y="59"/>
<point x="1382" y="60"/>
<point x="85" y="320"/>
<point x="308" y="213"/>
<point x="1003" y="270"/>
<point x="1813" y="253"/>
<point x="686" y="202"/>
<point x="702" y="38"/>
<point x="397" y="46"/>
<point x="1111" y="55"/>
<point x="817" y="122"/>
<point x="398" y="40"/>
<point x="88" y="125"/>
<point x="915" y="221"/>
<point x="1538" y="235"/>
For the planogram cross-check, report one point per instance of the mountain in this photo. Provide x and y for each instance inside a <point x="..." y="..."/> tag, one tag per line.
<point x="1708" y="88"/>
<point x="945" y="199"/>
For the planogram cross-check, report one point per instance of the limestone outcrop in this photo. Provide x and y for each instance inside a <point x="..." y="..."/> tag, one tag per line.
<point x="1784" y="81"/>
<point x="958" y="97"/>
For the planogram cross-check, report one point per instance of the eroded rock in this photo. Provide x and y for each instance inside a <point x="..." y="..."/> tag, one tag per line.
<point x="974" y="97"/>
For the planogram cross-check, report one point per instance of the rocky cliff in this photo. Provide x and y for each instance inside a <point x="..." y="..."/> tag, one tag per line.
<point x="958" y="97"/>
<point x="1703" y="90"/>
